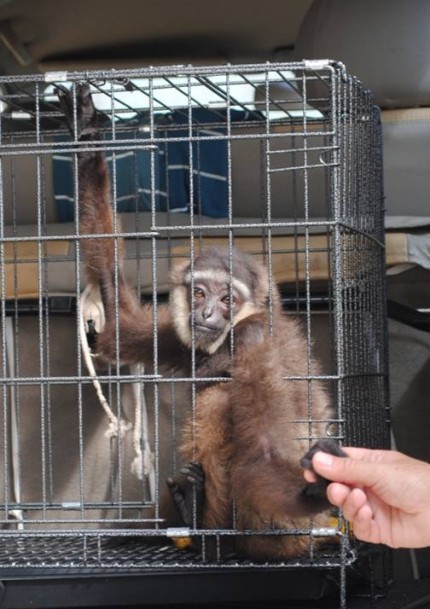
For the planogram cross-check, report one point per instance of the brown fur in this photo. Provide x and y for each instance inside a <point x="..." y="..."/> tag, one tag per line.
<point x="250" y="432"/>
<point x="249" y="440"/>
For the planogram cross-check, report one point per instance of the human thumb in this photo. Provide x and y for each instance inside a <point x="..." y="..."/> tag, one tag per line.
<point x="346" y="470"/>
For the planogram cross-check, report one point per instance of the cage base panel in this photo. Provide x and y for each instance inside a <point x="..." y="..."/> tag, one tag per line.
<point x="165" y="575"/>
<point x="44" y="590"/>
<point x="92" y="555"/>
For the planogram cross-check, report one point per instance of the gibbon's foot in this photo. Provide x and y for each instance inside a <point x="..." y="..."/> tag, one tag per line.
<point x="315" y="492"/>
<point x="326" y="446"/>
<point x="183" y="491"/>
<point x="86" y="114"/>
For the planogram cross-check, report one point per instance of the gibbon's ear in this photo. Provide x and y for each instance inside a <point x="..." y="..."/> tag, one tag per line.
<point x="178" y="272"/>
<point x="179" y="302"/>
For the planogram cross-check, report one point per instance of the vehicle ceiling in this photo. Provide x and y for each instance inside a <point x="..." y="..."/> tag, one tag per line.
<point x="45" y="35"/>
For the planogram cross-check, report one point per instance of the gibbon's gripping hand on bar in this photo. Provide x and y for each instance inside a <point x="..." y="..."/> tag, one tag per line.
<point x="384" y="494"/>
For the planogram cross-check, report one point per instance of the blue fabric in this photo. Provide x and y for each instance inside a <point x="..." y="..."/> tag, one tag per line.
<point x="206" y="190"/>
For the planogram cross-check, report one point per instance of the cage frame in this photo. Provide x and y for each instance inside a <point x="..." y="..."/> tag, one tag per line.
<point x="341" y="84"/>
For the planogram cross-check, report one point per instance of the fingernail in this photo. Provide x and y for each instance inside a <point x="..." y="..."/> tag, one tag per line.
<point x="323" y="459"/>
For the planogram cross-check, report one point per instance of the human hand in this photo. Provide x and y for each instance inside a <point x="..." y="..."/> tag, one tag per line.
<point x="384" y="494"/>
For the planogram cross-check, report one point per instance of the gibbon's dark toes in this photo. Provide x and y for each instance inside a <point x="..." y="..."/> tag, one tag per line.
<point x="188" y="493"/>
<point x="194" y="474"/>
<point x="66" y="104"/>
<point x="326" y="446"/>
<point x="86" y="114"/>
<point x="179" y="498"/>
<point x="314" y="493"/>
<point x="171" y="483"/>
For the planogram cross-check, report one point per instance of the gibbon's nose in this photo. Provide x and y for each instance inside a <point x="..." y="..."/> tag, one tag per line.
<point x="208" y="311"/>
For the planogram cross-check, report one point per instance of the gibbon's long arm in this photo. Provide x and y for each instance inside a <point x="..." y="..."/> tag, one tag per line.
<point x="104" y="255"/>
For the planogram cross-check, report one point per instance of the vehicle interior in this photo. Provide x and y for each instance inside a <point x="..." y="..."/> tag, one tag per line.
<point x="304" y="130"/>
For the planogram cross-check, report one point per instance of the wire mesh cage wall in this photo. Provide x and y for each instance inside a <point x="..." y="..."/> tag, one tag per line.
<point x="280" y="160"/>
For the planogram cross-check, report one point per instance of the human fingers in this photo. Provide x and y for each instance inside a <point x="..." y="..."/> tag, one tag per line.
<point x="309" y="475"/>
<point x="337" y="493"/>
<point x="350" y="471"/>
<point x="369" y="454"/>
<point x="365" y="526"/>
<point x="350" y="500"/>
<point x="351" y="451"/>
<point x="357" y="510"/>
<point x="374" y="455"/>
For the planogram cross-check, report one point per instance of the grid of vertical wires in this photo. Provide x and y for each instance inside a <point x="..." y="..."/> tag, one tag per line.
<point x="280" y="159"/>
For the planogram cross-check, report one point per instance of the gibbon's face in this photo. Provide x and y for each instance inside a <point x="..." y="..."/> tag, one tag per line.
<point x="213" y="306"/>
<point x="208" y="301"/>
<point x="216" y="302"/>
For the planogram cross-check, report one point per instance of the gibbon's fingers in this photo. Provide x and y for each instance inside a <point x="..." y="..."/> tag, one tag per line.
<point x="177" y="494"/>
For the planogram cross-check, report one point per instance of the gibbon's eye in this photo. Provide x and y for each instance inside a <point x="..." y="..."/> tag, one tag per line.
<point x="198" y="293"/>
<point x="227" y="300"/>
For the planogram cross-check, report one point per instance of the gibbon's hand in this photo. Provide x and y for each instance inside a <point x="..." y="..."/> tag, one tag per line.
<point x="384" y="494"/>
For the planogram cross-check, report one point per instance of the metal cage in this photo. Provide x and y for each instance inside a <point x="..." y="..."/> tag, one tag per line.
<point x="282" y="160"/>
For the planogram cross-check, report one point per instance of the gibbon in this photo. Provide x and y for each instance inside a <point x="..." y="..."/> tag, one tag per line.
<point x="255" y="410"/>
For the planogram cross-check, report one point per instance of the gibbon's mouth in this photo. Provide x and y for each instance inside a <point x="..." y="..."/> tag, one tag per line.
<point x="205" y="329"/>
